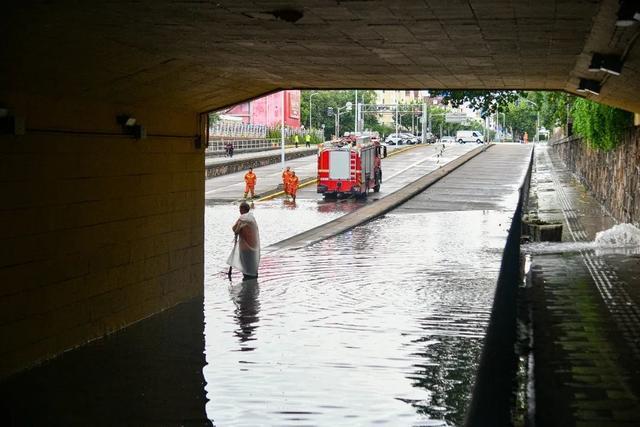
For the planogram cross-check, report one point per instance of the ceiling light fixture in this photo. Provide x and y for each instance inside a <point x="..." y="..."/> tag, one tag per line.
<point x="589" y="86"/>
<point x="611" y="64"/>
<point x="628" y="13"/>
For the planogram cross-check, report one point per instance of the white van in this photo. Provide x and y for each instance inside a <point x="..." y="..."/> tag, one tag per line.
<point x="464" y="136"/>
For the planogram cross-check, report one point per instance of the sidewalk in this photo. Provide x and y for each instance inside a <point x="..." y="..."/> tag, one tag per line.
<point x="586" y="320"/>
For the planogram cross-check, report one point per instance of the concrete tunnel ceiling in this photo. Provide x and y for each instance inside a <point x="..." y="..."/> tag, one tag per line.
<point x="200" y="55"/>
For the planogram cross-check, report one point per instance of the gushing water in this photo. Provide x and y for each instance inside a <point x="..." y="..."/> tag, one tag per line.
<point x="620" y="235"/>
<point x="619" y="239"/>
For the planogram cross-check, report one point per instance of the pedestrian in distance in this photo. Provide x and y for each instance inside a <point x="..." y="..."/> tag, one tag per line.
<point x="293" y="185"/>
<point x="231" y="149"/>
<point x="245" y="255"/>
<point x="296" y="139"/>
<point x="285" y="180"/>
<point x="250" y="183"/>
<point x="307" y="140"/>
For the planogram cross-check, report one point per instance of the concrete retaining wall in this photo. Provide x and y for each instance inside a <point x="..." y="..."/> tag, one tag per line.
<point x="214" y="170"/>
<point x="493" y="393"/>
<point x="613" y="177"/>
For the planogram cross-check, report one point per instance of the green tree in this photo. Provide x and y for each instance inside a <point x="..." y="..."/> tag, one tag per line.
<point x="555" y="107"/>
<point x="323" y="99"/>
<point x="521" y="117"/>
<point x="485" y="101"/>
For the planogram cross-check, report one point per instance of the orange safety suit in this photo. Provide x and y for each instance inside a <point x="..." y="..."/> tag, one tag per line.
<point x="285" y="181"/>
<point x="250" y="183"/>
<point x="293" y="185"/>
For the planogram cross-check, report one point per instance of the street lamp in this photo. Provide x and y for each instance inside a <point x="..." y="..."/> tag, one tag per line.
<point x="338" y="111"/>
<point x="538" y="116"/>
<point x="504" y="124"/>
<point x="311" y="96"/>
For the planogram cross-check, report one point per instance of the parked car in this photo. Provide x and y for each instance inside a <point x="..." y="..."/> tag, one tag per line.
<point x="395" y="139"/>
<point x="447" y="139"/>
<point x="410" y="138"/>
<point x="430" y="138"/>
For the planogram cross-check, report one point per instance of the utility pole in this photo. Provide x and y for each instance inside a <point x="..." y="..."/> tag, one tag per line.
<point x="355" y="125"/>
<point x="284" y="93"/>
<point x="310" y="96"/>
<point x="424" y="121"/>
<point x="396" y="96"/>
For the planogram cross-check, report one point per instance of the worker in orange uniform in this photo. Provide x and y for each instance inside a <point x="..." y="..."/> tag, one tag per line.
<point x="250" y="183"/>
<point x="293" y="185"/>
<point x="285" y="180"/>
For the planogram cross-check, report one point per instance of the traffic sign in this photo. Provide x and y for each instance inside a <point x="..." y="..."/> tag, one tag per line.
<point x="456" y="118"/>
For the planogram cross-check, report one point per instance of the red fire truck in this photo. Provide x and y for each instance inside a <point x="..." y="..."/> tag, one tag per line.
<point x="349" y="167"/>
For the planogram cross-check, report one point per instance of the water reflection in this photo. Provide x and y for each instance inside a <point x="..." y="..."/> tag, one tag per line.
<point x="245" y="297"/>
<point x="382" y="324"/>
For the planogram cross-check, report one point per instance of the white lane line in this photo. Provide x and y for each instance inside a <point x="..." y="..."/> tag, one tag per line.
<point x="415" y="164"/>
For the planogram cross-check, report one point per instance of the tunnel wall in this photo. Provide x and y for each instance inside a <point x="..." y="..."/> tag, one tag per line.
<point x="612" y="176"/>
<point x="98" y="229"/>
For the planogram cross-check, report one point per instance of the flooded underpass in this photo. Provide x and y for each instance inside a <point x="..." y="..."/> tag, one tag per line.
<point x="383" y="324"/>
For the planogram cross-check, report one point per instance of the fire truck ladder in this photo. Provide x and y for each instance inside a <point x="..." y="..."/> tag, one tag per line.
<point x="352" y="156"/>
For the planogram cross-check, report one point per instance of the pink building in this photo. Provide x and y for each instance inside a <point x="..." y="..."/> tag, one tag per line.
<point x="268" y="109"/>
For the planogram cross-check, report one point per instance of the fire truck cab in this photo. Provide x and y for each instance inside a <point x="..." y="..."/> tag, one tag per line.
<point x="349" y="167"/>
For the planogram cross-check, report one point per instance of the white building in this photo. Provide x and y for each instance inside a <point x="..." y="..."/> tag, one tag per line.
<point x="397" y="97"/>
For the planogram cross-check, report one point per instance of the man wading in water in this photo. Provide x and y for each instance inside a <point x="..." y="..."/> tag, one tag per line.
<point x="245" y="255"/>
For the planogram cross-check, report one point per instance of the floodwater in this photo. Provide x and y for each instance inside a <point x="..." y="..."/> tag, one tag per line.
<point x="380" y="325"/>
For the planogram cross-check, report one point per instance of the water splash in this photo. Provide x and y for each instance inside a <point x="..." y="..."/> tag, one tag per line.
<point x="621" y="235"/>
<point x="619" y="239"/>
<point x="539" y="248"/>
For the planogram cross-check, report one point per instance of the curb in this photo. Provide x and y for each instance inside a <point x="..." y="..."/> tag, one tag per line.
<point x="374" y="210"/>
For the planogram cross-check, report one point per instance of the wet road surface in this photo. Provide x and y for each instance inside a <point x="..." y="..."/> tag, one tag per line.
<point x="382" y="324"/>
<point x="398" y="170"/>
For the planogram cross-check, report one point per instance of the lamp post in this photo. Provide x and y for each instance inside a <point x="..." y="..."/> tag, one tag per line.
<point x="355" y="125"/>
<point x="340" y="110"/>
<point x="282" y="156"/>
<point x="538" y="117"/>
<point x="396" y="99"/>
<point x="504" y="124"/>
<point x="311" y="96"/>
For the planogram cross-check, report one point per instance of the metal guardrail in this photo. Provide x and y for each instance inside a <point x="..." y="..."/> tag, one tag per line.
<point x="243" y="130"/>
<point x="219" y="145"/>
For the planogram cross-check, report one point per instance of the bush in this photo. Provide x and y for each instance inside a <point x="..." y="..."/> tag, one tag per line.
<point x="599" y="125"/>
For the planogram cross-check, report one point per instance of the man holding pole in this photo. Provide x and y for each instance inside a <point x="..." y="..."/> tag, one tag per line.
<point x="245" y="255"/>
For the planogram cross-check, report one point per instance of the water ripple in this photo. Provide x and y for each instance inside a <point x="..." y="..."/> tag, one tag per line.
<point x="383" y="324"/>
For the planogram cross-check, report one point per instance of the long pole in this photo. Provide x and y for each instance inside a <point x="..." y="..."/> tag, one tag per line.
<point x="396" y="93"/>
<point x="424" y="122"/>
<point x="310" y="96"/>
<point x="538" y="127"/>
<point x="355" y="125"/>
<point x="282" y="130"/>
